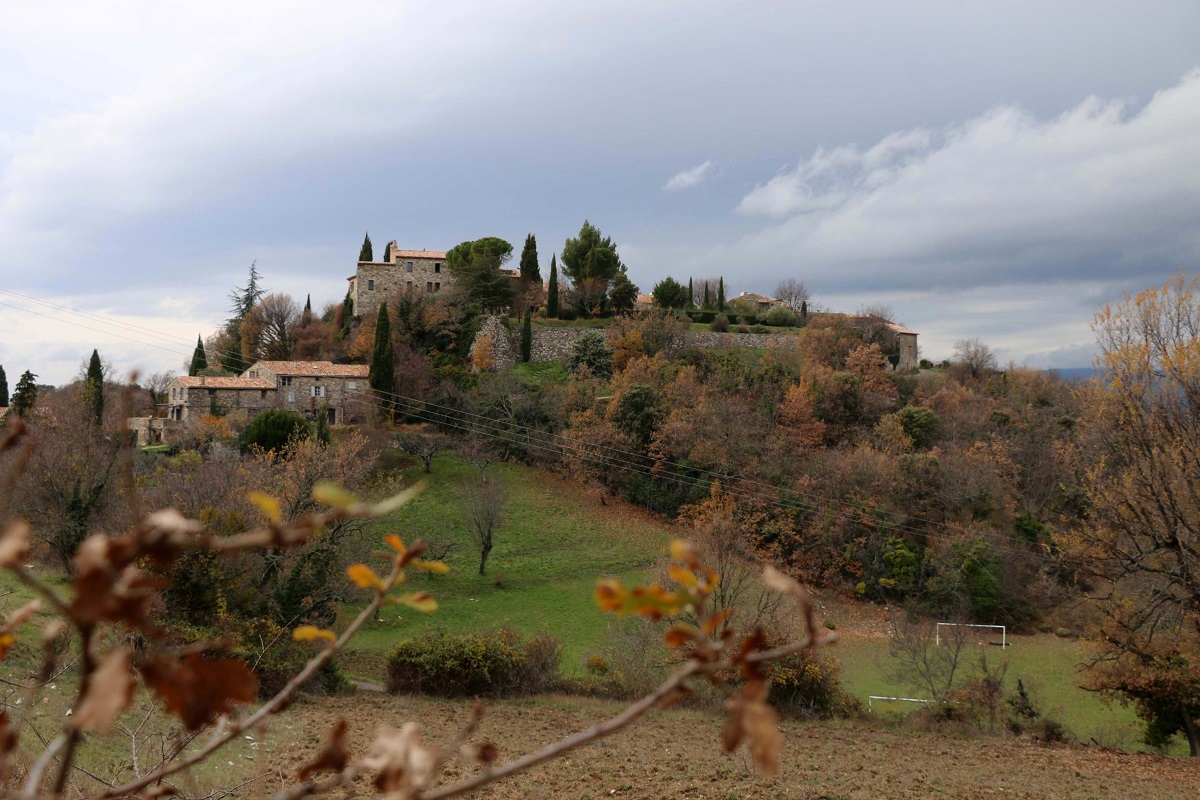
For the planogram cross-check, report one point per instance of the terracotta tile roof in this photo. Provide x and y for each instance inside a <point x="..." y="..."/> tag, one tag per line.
<point x="894" y="327"/>
<point x="434" y="254"/>
<point x="222" y="382"/>
<point x="756" y="297"/>
<point x="324" y="369"/>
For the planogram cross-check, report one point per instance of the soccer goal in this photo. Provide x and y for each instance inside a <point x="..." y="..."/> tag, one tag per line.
<point x="937" y="633"/>
<point x="872" y="698"/>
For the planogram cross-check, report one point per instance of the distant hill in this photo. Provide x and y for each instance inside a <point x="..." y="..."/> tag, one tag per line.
<point x="1074" y="373"/>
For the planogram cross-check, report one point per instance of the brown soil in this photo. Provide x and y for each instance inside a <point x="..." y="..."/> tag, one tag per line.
<point x="677" y="754"/>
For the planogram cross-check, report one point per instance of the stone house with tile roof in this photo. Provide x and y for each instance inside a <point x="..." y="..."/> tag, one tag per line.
<point x="191" y="397"/>
<point x="414" y="270"/>
<point x="314" y="387"/>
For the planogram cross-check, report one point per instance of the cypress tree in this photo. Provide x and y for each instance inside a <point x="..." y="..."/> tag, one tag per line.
<point x="199" y="358"/>
<point x="93" y="387"/>
<point x="530" y="271"/>
<point x="387" y="253"/>
<point x="25" y="396"/>
<point x="721" y="293"/>
<point x="527" y="336"/>
<point x="366" y="253"/>
<point x="552" y="290"/>
<point x="3" y="388"/>
<point x="691" y="301"/>
<point x="382" y="375"/>
<point x="347" y="315"/>
<point x="306" y="317"/>
<point x="707" y="298"/>
<point x="803" y="312"/>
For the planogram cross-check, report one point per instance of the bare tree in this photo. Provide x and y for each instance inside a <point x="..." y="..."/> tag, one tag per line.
<point x="925" y="660"/>
<point x="422" y="445"/>
<point x="882" y="310"/>
<point x="274" y="320"/>
<point x="156" y="386"/>
<point x="485" y="507"/>
<point x="479" y="453"/>
<point x="974" y="356"/>
<point x="793" y="293"/>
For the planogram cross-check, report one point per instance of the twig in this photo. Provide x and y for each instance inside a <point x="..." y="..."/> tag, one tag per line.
<point x="272" y="706"/>
<point x="35" y="773"/>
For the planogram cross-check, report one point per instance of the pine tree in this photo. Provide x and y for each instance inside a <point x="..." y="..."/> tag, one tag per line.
<point x="244" y="300"/>
<point x="707" y="298"/>
<point x="306" y="316"/>
<point x="3" y="388"/>
<point x="552" y="290"/>
<point x="382" y="375"/>
<point x="721" y="294"/>
<point x="366" y="253"/>
<point x="199" y="358"/>
<point x="387" y="253"/>
<point x="691" y="301"/>
<point x="527" y="336"/>
<point x="25" y="397"/>
<point x="530" y="271"/>
<point x="93" y="387"/>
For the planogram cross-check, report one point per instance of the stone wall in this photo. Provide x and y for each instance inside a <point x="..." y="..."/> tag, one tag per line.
<point x="504" y="347"/>
<point x="555" y="344"/>
<point x="375" y="281"/>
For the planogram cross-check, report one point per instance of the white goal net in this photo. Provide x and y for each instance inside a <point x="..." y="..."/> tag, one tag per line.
<point x="988" y="634"/>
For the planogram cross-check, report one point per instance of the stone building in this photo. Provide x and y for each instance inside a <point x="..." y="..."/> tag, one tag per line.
<point x="190" y="397"/>
<point x="308" y="387"/>
<point x="416" y="270"/>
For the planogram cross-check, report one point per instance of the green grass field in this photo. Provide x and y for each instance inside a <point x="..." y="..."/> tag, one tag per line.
<point x="555" y="541"/>
<point x="1046" y="664"/>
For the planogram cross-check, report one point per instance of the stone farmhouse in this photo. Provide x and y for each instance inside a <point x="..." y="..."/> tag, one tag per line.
<point x="306" y="387"/>
<point x="405" y="270"/>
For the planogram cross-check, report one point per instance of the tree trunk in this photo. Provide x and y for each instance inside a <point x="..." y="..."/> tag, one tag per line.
<point x="428" y="464"/>
<point x="484" y="551"/>
<point x="1192" y="732"/>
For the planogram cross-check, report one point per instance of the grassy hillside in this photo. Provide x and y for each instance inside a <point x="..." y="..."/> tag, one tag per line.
<point x="556" y="540"/>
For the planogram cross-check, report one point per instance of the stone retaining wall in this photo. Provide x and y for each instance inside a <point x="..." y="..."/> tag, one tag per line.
<point x="555" y="344"/>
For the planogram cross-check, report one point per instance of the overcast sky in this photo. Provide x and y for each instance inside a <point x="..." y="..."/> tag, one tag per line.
<point x="988" y="169"/>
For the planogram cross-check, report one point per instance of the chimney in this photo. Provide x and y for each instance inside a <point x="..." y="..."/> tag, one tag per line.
<point x="201" y="380"/>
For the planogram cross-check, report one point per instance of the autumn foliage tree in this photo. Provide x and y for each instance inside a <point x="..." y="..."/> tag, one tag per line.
<point x="1142" y="531"/>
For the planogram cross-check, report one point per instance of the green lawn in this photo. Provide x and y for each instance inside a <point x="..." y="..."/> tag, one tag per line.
<point x="542" y="373"/>
<point x="555" y="541"/>
<point x="1048" y="666"/>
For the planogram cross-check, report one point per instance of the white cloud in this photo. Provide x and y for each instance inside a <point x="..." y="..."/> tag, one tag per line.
<point x="689" y="178"/>
<point x="1100" y="191"/>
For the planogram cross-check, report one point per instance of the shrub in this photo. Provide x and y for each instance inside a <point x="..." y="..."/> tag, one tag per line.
<point x="273" y="429"/>
<point x="720" y="324"/>
<point x="807" y="685"/>
<point x="704" y="317"/>
<point x="749" y="319"/>
<point x="760" y="329"/>
<point x="743" y="329"/>
<point x="473" y="664"/>
<point x="919" y="423"/>
<point x="780" y="316"/>
<point x="568" y="314"/>
<point x="590" y="351"/>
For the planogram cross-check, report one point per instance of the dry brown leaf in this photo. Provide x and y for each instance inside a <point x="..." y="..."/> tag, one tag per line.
<point x="110" y="693"/>
<point x="14" y="543"/>
<point x="752" y="720"/>
<point x="333" y="755"/>
<point x="198" y="689"/>
<point x="403" y="766"/>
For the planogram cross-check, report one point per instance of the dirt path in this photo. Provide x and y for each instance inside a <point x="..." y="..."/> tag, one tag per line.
<point x="677" y="754"/>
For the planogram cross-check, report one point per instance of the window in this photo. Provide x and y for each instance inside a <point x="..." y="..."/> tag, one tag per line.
<point x="437" y="267"/>
<point x="410" y="284"/>
<point x="253" y="373"/>
<point x="408" y="266"/>
<point x="317" y="391"/>
<point x="429" y="287"/>
<point x="370" y="284"/>
<point x="351" y="384"/>
<point x="263" y="394"/>
<point x="212" y="392"/>
<point x="286" y="380"/>
<point x="291" y="397"/>
<point x="437" y="287"/>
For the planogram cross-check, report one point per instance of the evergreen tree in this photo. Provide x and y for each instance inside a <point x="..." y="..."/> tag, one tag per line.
<point x="306" y="316"/>
<point x="323" y="424"/>
<point x="803" y="312"/>
<point x="476" y="267"/>
<point x="3" y="388"/>
<point x="691" y="301"/>
<point x="347" y="314"/>
<point x="199" y="358"/>
<point x="24" y="399"/>
<point x="366" y="253"/>
<point x="707" y="298"/>
<point x="552" y="290"/>
<point x="622" y="295"/>
<point x="530" y="271"/>
<point x="721" y="293"/>
<point x="387" y="253"/>
<point x="527" y="336"/>
<point x="93" y="387"/>
<point x="243" y="299"/>
<point x="382" y="375"/>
